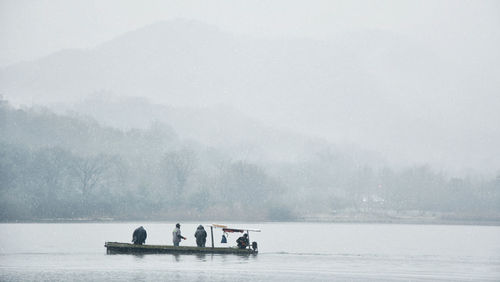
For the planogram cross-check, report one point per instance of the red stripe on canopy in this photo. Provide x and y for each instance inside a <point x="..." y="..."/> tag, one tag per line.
<point x="232" y="230"/>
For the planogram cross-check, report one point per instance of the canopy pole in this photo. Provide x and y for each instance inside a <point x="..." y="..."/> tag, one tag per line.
<point x="212" y="235"/>
<point x="248" y="239"/>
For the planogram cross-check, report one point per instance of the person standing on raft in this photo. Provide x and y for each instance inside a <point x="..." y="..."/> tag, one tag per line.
<point x="201" y="236"/>
<point x="176" y="235"/>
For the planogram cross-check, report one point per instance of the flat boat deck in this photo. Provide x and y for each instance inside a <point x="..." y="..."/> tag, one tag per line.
<point x="126" y="248"/>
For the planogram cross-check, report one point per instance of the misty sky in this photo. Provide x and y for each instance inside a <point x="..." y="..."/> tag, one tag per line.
<point x="30" y="29"/>
<point x="461" y="38"/>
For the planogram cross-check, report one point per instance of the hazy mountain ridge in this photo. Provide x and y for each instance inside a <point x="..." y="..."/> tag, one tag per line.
<point x="379" y="88"/>
<point x="221" y="127"/>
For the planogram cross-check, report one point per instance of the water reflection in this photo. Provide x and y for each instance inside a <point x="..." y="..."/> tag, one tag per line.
<point x="138" y="256"/>
<point x="197" y="256"/>
<point x="201" y="256"/>
<point x="177" y="257"/>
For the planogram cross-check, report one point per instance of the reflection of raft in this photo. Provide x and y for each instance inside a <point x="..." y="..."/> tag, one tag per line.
<point x="126" y="248"/>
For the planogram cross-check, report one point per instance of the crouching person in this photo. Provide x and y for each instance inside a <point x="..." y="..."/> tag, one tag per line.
<point x="139" y="236"/>
<point x="243" y="241"/>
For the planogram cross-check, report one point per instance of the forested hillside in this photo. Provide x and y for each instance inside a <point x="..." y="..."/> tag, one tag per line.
<point x="55" y="166"/>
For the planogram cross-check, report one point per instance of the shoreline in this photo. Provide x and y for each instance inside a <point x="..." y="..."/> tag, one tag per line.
<point x="416" y="221"/>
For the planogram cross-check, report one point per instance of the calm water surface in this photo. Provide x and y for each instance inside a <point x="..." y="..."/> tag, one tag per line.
<point x="288" y="251"/>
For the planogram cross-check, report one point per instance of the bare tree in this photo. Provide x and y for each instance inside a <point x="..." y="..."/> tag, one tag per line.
<point x="91" y="172"/>
<point x="177" y="167"/>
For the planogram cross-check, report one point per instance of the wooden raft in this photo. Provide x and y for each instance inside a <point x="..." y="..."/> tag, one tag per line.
<point x="126" y="248"/>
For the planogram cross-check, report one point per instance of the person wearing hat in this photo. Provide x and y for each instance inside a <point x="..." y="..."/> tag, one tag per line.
<point x="176" y="235"/>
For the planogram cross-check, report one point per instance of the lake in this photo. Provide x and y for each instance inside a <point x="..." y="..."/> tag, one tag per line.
<point x="287" y="252"/>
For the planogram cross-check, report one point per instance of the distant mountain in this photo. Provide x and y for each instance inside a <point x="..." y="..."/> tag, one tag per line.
<point x="373" y="88"/>
<point x="190" y="63"/>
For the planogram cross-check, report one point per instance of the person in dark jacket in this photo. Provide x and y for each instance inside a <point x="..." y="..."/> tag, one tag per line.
<point x="243" y="241"/>
<point x="139" y="236"/>
<point x="201" y="236"/>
